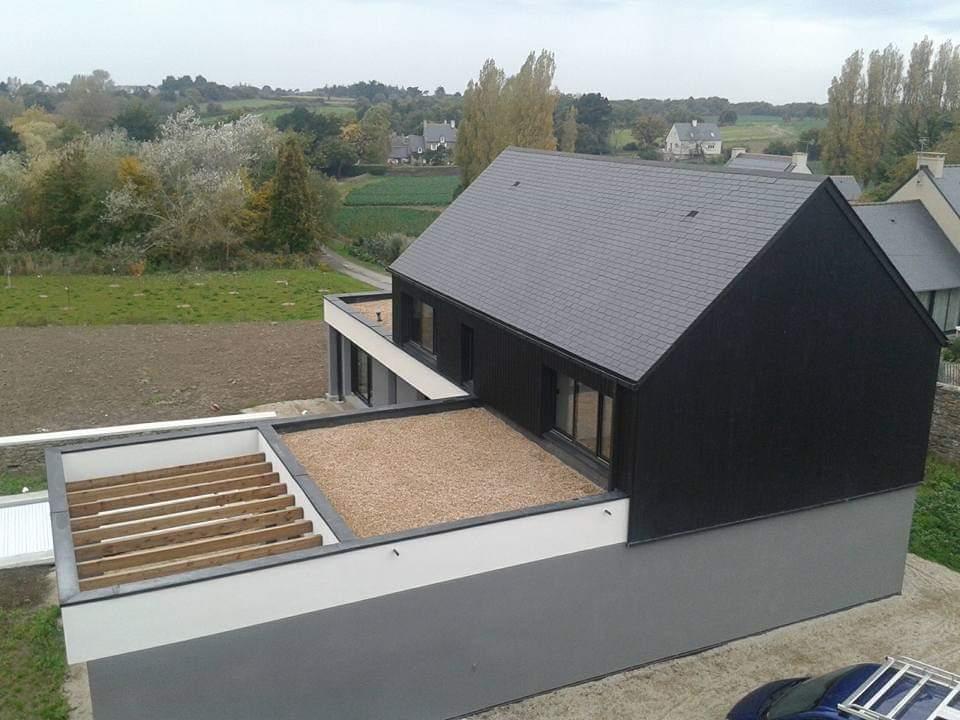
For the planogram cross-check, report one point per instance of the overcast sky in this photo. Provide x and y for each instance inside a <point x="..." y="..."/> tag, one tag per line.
<point x="779" y="51"/>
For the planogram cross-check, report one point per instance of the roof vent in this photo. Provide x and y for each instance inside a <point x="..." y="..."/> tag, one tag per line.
<point x="692" y="213"/>
<point x="515" y="183"/>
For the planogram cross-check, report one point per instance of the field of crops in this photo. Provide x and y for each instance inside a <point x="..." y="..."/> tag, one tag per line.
<point x="405" y="191"/>
<point x="370" y="221"/>
<point x="272" y="109"/>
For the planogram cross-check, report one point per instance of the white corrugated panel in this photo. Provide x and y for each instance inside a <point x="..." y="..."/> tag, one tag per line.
<point x="25" y="530"/>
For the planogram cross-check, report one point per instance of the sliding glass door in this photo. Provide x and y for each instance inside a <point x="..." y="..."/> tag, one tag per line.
<point x="584" y="415"/>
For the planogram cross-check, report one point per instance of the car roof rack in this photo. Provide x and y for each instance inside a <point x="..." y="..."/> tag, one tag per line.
<point x="906" y="689"/>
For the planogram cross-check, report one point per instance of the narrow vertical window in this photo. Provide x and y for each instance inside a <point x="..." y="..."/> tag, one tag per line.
<point x="360" y="374"/>
<point x="422" y="325"/>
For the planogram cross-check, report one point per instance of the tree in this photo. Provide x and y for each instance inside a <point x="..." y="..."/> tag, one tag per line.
<point x="568" y="131"/>
<point x="9" y="140"/>
<point x="477" y="139"/>
<point x="842" y="133"/>
<point x="67" y="209"/>
<point x="527" y="104"/>
<point x="779" y="147"/>
<point x="650" y="131"/>
<point x="90" y="102"/>
<point x="728" y="117"/>
<point x="594" y="118"/>
<point x="139" y="122"/>
<point x="376" y="130"/>
<point x="336" y="154"/>
<point x="291" y="223"/>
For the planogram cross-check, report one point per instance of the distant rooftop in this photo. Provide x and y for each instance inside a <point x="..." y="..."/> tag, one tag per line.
<point x="949" y="185"/>
<point x="699" y="132"/>
<point x="762" y="161"/>
<point x="848" y="186"/>
<point x="914" y="242"/>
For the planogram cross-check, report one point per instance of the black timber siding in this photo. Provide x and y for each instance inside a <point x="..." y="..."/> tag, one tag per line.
<point x="810" y="380"/>
<point x="509" y="368"/>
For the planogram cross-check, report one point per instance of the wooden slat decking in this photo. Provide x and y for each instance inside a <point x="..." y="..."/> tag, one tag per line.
<point x="155" y="523"/>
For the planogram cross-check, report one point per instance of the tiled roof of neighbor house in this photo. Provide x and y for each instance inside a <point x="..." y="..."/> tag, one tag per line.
<point x="848" y="186"/>
<point x="914" y="242"/>
<point x="949" y="185"/>
<point x="415" y="143"/>
<point x="702" y="131"/>
<point x="432" y="132"/>
<point x="762" y="161"/>
<point x="399" y="149"/>
<point x="608" y="259"/>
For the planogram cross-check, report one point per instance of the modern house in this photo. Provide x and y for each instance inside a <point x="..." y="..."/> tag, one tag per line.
<point x="743" y="160"/>
<point x="621" y="411"/>
<point x="692" y="140"/>
<point x="411" y="148"/>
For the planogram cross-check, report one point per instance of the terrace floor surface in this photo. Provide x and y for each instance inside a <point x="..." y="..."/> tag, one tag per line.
<point x="396" y="474"/>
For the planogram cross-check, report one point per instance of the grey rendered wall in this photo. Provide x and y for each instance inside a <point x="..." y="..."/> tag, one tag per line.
<point x="383" y="393"/>
<point x="333" y="362"/>
<point x="406" y="392"/>
<point x="452" y="648"/>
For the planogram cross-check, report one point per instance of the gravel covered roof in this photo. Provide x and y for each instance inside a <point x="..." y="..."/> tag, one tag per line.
<point x="608" y="259"/>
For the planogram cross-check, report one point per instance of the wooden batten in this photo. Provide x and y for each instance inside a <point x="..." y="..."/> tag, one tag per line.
<point x="164" y="472"/>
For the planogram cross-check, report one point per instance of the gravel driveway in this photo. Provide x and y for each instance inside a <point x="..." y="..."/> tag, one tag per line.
<point x="923" y="623"/>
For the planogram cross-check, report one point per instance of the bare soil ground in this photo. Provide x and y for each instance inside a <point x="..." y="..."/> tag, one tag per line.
<point x="923" y="623"/>
<point x="58" y="378"/>
<point x="384" y="476"/>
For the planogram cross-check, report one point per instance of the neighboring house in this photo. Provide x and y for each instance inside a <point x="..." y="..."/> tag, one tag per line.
<point x="440" y="135"/>
<point x="921" y="252"/>
<point x="937" y="186"/>
<point x="742" y="160"/>
<point x="692" y="140"/>
<point x="621" y="411"/>
<point x="406" y="149"/>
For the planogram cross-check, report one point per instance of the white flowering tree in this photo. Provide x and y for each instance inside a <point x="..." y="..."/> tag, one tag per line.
<point x="185" y="191"/>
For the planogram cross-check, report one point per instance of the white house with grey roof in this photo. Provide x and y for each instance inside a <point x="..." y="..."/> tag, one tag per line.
<point x="416" y="149"/>
<point x="692" y="140"/>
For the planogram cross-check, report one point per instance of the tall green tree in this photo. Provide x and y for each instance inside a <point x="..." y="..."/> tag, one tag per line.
<point x="527" y="105"/>
<point x="139" y="122"/>
<point x="68" y="209"/>
<point x="649" y="131"/>
<point x="291" y="224"/>
<point x="844" y="121"/>
<point x="595" y="119"/>
<point x="9" y="140"/>
<point x="376" y="129"/>
<point x="478" y="139"/>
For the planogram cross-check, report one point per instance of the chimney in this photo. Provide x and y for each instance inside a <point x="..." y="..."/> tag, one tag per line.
<point x="933" y="161"/>
<point x="694" y="122"/>
<point x="734" y="152"/>
<point x="453" y="123"/>
<point x="800" y="160"/>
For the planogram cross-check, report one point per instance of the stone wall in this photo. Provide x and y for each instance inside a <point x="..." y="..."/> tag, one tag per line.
<point x="945" y="428"/>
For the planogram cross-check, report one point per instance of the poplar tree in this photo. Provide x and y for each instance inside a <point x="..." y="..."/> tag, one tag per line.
<point x="568" y="131"/>
<point x="477" y="138"/>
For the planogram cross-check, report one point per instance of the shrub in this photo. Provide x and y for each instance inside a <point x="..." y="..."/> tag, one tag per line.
<point x="951" y="353"/>
<point x="382" y="249"/>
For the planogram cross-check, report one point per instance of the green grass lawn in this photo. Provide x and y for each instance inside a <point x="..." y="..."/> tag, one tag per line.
<point x="405" y="191"/>
<point x="936" y="520"/>
<point x="272" y="109"/>
<point x="255" y="295"/>
<point x="356" y="222"/>
<point x="14" y="483"/>
<point x="32" y="664"/>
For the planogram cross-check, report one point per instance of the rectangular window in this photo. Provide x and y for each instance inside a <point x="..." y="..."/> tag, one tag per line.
<point x="584" y="415"/>
<point x="361" y="383"/>
<point x="466" y="355"/>
<point x="422" y="325"/>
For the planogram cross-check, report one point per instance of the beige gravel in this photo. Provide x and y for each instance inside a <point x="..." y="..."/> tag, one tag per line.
<point x="923" y="623"/>
<point x="370" y="308"/>
<point x="389" y="475"/>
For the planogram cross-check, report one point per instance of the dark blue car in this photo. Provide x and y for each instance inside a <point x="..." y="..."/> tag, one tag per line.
<point x="813" y="698"/>
<point x="900" y="689"/>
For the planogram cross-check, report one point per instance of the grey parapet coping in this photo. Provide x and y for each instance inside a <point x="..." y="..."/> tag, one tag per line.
<point x="409" y="409"/>
<point x="246" y="566"/>
<point x="345" y="300"/>
<point x="65" y="562"/>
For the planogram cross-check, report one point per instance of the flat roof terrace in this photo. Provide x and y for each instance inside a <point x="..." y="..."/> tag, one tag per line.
<point x="389" y="475"/>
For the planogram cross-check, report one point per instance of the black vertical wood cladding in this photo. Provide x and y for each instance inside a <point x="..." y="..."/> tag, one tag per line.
<point x="508" y="368"/>
<point x="811" y="380"/>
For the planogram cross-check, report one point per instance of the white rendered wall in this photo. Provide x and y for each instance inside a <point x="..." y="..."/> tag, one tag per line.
<point x="425" y="379"/>
<point x="159" y="617"/>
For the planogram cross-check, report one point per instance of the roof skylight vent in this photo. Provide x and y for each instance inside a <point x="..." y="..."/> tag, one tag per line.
<point x="693" y="213"/>
<point x="515" y="183"/>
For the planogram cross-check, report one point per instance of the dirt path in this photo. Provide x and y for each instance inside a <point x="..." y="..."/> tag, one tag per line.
<point x="57" y="378"/>
<point x="923" y="623"/>
<point x="357" y="271"/>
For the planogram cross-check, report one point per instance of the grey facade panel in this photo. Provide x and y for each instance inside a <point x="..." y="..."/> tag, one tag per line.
<point x="609" y="259"/>
<point x="452" y="648"/>
<point x="406" y="392"/>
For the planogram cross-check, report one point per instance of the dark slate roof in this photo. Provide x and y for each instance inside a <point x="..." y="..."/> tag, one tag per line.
<point x="398" y="148"/>
<point x="433" y="131"/>
<point x="848" y="186"/>
<point x="762" y="161"/>
<point x="600" y="256"/>
<point x="703" y="131"/>
<point x="914" y="242"/>
<point x="949" y="185"/>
